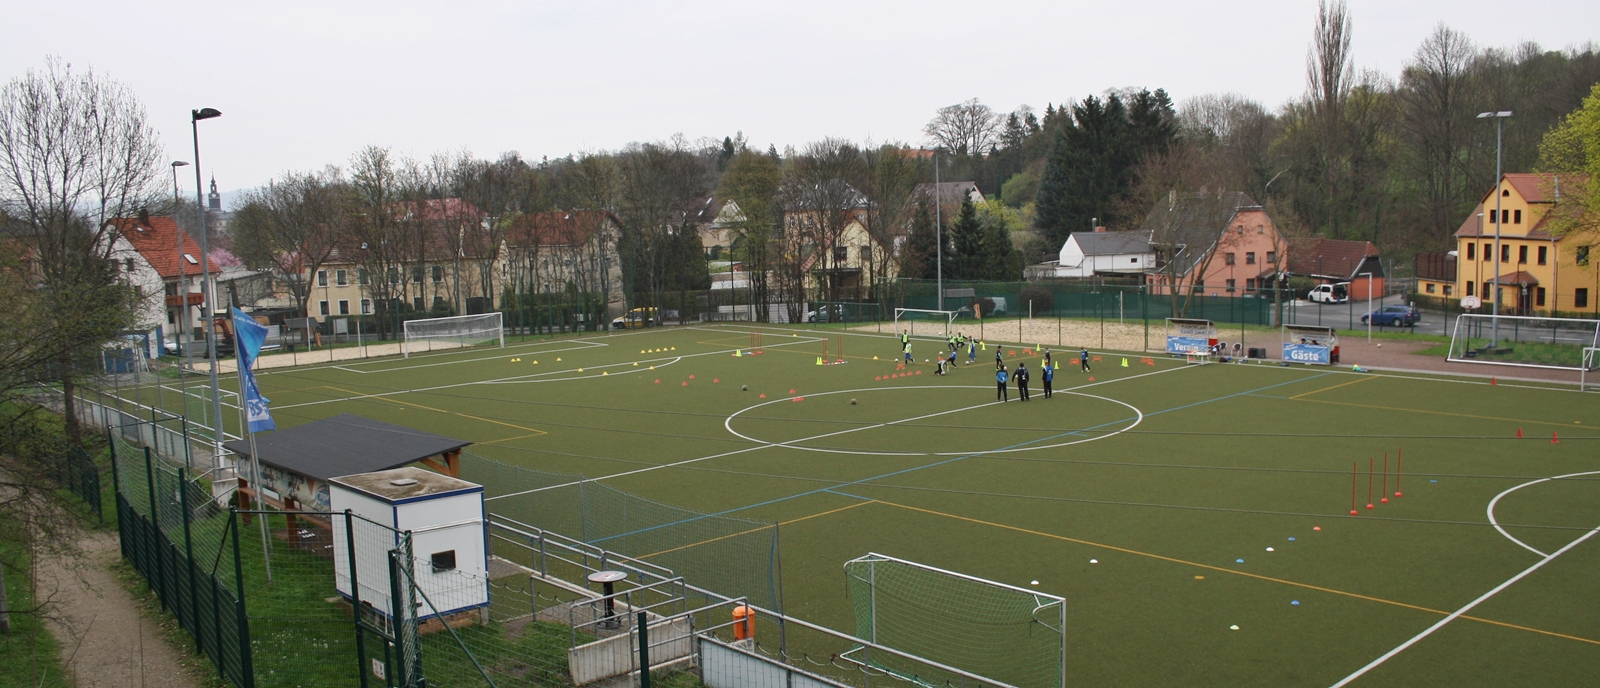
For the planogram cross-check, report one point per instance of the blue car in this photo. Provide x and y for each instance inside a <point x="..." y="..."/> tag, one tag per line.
<point x="1397" y="316"/>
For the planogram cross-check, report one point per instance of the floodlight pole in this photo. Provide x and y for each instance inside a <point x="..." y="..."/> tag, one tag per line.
<point x="183" y="297"/>
<point x="205" y="284"/>
<point x="938" y="232"/>
<point x="1499" y="137"/>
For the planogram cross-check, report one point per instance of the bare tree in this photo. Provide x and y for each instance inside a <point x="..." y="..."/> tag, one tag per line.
<point x="1329" y="69"/>
<point x="1436" y="120"/>
<point x="657" y="185"/>
<point x="75" y="153"/>
<point x="887" y="181"/>
<point x="1186" y="231"/>
<point x="291" y="227"/>
<point x="818" y="197"/>
<point x="373" y="235"/>
<point x="751" y="184"/>
<point x="966" y="128"/>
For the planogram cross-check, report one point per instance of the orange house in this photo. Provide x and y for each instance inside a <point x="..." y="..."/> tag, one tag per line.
<point x="1215" y="244"/>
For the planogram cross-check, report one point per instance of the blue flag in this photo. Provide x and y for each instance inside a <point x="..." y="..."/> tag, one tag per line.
<point x="248" y="336"/>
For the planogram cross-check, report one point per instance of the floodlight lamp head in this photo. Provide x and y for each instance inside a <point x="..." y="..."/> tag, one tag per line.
<point x="1495" y="115"/>
<point x="179" y="163"/>
<point x="204" y="113"/>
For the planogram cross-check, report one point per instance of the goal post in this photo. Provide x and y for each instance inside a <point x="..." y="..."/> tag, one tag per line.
<point x="1010" y="635"/>
<point x="453" y="332"/>
<point x="1524" y="341"/>
<point x="906" y="319"/>
<point x="1310" y="344"/>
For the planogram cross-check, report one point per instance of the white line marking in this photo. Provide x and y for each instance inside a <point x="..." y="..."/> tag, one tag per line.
<point x="1452" y="617"/>
<point x="1497" y="497"/>
<point x="776" y="444"/>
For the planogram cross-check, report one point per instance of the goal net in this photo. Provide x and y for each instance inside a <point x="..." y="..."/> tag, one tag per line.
<point x="1525" y="341"/>
<point x="934" y="323"/>
<point x="1189" y="336"/>
<point x="1310" y="344"/>
<point x="452" y="333"/>
<point x="1004" y="633"/>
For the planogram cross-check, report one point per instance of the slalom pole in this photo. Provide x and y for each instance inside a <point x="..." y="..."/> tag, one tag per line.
<point x="1383" y="495"/>
<point x="1353" y="477"/>
<point x="1399" y="463"/>
<point x="1371" y="462"/>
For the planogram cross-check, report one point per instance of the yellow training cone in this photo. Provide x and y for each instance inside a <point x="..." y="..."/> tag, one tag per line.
<point x="580" y="370"/>
<point x="819" y="360"/>
<point x="558" y="359"/>
<point x="604" y="373"/>
<point x="635" y="364"/>
<point x="985" y="345"/>
<point x="1124" y="362"/>
<point x="674" y="348"/>
<point x="874" y="358"/>
<point x="737" y="353"/>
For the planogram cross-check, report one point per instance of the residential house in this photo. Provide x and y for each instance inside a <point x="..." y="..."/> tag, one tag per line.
<point x="1539" y="272"/>
<point x="1436" y="274"/>
<point x="1213" y="243"/>
<point x="1102" y="253"/>
<point x="164" y="263"/>
<point x="948" y="195"/>
<point x="1333" y="261"/>
<point x="557" y="251"/>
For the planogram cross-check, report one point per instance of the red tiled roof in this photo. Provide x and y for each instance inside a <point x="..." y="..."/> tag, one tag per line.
<point x="157" y="243"/>
<point x="557" y="227"/>
<point x="1539" y="187"/>
<point x="1520" y="278"/>
<point x="1318" y="256"/>
<point x="439" y="209"/>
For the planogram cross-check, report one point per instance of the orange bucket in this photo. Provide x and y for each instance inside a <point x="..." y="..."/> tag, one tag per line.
<point x="743" y="623"/>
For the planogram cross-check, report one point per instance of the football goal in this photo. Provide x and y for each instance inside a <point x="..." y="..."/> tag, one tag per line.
<point x="934" y="323"/>
<point x="1525" y="341"/>
<point x="452" y="333"/>
<point x="1004" y="633"/>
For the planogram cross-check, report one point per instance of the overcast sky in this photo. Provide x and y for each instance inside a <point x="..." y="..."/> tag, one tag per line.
<point x="303" y="84"/>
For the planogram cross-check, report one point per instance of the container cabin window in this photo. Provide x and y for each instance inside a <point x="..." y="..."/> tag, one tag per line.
<point x="444" y="561"/>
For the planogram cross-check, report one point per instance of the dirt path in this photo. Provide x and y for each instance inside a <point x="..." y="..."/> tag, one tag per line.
<point x="105" y="640"/>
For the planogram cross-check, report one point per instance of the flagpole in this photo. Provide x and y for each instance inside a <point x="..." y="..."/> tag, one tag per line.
<point x="255" y="456"/>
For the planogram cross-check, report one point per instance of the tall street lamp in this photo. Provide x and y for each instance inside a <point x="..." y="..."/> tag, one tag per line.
<point x="1497" y="220"/>
<point x="183" y="297"/>
<point x="205" y="282"/>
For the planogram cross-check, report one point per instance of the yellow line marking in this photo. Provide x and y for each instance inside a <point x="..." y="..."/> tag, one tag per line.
<point x="453" y="413"/>
<point x="752" y="530"/>
<point x="1239" y="573"/>
<point x="518" y="437"/>
<point x="1324" y="389"/>
<point x="1435" y="413"/>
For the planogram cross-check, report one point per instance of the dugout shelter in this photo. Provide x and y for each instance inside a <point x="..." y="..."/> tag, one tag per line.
<point x="298" y="463"/>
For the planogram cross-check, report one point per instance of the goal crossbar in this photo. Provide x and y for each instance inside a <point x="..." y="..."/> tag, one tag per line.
<point x="456" y="331"/>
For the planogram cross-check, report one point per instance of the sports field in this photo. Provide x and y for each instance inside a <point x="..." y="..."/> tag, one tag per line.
<point x="1196" y="518"/>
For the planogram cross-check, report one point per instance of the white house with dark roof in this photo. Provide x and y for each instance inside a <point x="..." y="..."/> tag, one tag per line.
<point x="1087" y="254"/>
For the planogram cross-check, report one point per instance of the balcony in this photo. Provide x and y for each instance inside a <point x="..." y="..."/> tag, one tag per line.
<point x="175" y="300"/>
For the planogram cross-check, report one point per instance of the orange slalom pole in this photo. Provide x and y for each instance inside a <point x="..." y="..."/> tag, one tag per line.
<point x="1399" y="470"/>
<point x="1371" y="462"/>
<point x="1354" y="476"/>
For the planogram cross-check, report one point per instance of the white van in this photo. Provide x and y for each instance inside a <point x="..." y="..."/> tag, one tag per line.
<point x="1330" y="293"/>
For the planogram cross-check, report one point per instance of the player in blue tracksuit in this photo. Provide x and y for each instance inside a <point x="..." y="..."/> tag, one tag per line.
<point x="1022" y="380"/>
<point x="972" y="351"/>
<point x="1049" y="376"/>
<point x="1083" y="357"/>
<point x="1000" y="382"/>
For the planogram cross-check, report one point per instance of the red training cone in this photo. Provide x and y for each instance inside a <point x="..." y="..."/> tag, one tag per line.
<point x="685" y="383"/>
<point x="1492" y="381"/>
<point x="1554" y="438"/>
<point x="1091" y="378"/>
<point x="658" y="380"/>
<point x="1519" y="433"/>
<point x="1353" y="512"/>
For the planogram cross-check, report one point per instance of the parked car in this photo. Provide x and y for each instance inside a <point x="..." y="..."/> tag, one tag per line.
<point x="1330" y="293"/>
<point x="834" y="313"/>
<point x="1397" y="316"/>
<point x="638" y="317"/>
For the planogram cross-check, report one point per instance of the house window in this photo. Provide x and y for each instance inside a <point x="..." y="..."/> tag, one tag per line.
<point x="1516" y="217"/>
<point x="344" y="307"/>
<point x="341" y="277"/>
<point x="866" y="253"/>
<point x="1250" y="284"/>
<point x="1538" y="296"/>
<point x="1522" y="254"/>
<point x="1272" y="257"/>
<point x="322" y="307"/>
<point x="366" y="306"/>
<point x="1505" y="216"/>
<point x="1582" y="255"/>
<point x="1472" y="251"/>
<point x="416" y="303"/>
<point x="1448" y="288"/>
<point x="1505" y="253"/>
<point x="1580" y="298"/>
<point x="1250" y="258"/>
<point x="394" y="275"/>
<point x="416" y="274"/>
<point x="1230" y="286"/>
<point x="1488" y="251"/>
<point x="1430" y="287"/>
<point x="1470" y="291"/>
<point x="438" y="274"/>
<point x="841" y="254"/>
<point x="363" y="277"/>
<point x="190" y="259"/>
<point x="1227" y="258"/>
<point x="322" y="278"/>
<point x="1543" y="253"/>
<point x="443" y="561"/>
<point x="127" y="264"/>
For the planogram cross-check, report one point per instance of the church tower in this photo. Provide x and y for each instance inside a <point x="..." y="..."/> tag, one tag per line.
<point x="214" y="199"/>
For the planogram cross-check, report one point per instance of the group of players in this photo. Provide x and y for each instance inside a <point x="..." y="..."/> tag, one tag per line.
<point x="955" y="342"/>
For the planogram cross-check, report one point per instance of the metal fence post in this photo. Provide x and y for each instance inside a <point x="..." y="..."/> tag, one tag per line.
<point x="188" y="556"/>
<point x="242" y="624"/>
<point x="355" y="597"/>
<point x="155" y="529"/>
<point x="644" y="649"/>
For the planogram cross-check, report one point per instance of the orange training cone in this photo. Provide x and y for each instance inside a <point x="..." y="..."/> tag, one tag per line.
<point x="1554" y="438"/>
<point x="1491" y="382"/>
<point x="1519" y="433"/>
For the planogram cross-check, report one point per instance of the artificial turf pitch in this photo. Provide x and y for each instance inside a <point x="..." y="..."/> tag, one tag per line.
<point x="1165" y="474"/>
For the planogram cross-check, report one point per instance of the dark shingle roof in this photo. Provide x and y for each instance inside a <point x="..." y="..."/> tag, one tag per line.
<point x="1112" y="243"/>
<point x="345" y="444"/>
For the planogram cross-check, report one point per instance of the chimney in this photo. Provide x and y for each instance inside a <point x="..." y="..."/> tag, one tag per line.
<point x="1099" y="229"/>
<point x="144" y="217"/>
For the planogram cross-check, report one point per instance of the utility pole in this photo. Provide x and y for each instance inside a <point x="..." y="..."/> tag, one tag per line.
<point x="938" y="231"/>
<point x="1497" y="220"/>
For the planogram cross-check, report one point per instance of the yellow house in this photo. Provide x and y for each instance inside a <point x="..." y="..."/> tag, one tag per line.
<point x="1539" y="273"/>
